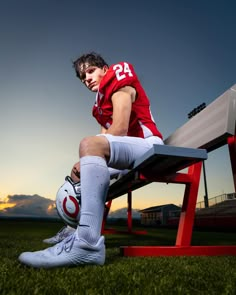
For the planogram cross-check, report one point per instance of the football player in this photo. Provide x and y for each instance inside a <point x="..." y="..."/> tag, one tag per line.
<point x="128" y="130"/>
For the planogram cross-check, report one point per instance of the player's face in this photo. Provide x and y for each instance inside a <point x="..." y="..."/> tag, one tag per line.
<point x="92" y="77"/>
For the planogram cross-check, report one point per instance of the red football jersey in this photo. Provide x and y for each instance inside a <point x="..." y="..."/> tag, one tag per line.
<point x="141" y="122"/>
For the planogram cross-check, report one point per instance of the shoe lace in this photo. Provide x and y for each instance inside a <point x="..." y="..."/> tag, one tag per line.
<point x="58" y="237"/>
<point x="65" y="244"/>
<point x="61" y="232"/>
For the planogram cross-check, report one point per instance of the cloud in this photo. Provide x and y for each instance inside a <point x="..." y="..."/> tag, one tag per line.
<point x="122" y="213"/>
<point x="27" y="206"/>
<point x="37" y="206"/>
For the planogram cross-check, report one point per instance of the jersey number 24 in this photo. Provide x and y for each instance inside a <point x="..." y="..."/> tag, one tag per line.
<point x="122" y="71"/>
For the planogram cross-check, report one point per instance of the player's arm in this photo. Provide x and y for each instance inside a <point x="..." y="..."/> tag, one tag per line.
<point x="122" y="104"/>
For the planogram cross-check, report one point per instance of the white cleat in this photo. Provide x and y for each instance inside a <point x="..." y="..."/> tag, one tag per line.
<point x="71" y="251"/>
<point x="63" y="233"/>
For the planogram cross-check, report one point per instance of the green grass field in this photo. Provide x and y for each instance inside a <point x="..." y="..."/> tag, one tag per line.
<point x="120" y="275"/>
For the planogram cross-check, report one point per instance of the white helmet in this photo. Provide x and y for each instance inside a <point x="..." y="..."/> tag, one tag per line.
<point x="68" y="202"/>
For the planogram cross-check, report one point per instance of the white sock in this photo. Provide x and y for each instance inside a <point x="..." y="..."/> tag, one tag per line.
<point x="95" y="179"/>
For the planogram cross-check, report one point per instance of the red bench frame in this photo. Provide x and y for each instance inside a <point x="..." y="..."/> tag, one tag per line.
<point x="183" y="245"/>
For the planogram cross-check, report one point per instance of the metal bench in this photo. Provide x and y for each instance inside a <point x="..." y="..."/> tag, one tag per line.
<point x="187" y="147"/>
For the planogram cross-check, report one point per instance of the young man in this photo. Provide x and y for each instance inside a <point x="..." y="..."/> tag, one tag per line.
<point x="128" y="130"/>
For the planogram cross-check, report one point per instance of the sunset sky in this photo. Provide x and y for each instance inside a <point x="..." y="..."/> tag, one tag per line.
<point x="183" y="52"/>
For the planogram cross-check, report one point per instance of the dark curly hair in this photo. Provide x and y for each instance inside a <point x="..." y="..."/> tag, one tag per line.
<point x="91" y="59"/>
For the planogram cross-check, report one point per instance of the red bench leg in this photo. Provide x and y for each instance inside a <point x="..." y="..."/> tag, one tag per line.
<point x="184" y="234"/>
<point x="106" y="212"/>
<point x="183" y="240"/>
<point x="129" y="219"/>
<point x="129" y="211"/>
<point x="232" y="152"/>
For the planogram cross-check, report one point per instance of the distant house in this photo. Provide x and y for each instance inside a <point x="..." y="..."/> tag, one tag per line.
<point x="158" y="215"/>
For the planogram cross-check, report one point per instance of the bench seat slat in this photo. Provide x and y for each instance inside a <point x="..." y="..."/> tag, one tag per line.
<point x="161" y="160"/>
<point x="178" y="157"/>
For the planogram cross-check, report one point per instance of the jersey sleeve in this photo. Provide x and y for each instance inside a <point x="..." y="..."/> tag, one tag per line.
<point x="119" y="75"/>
